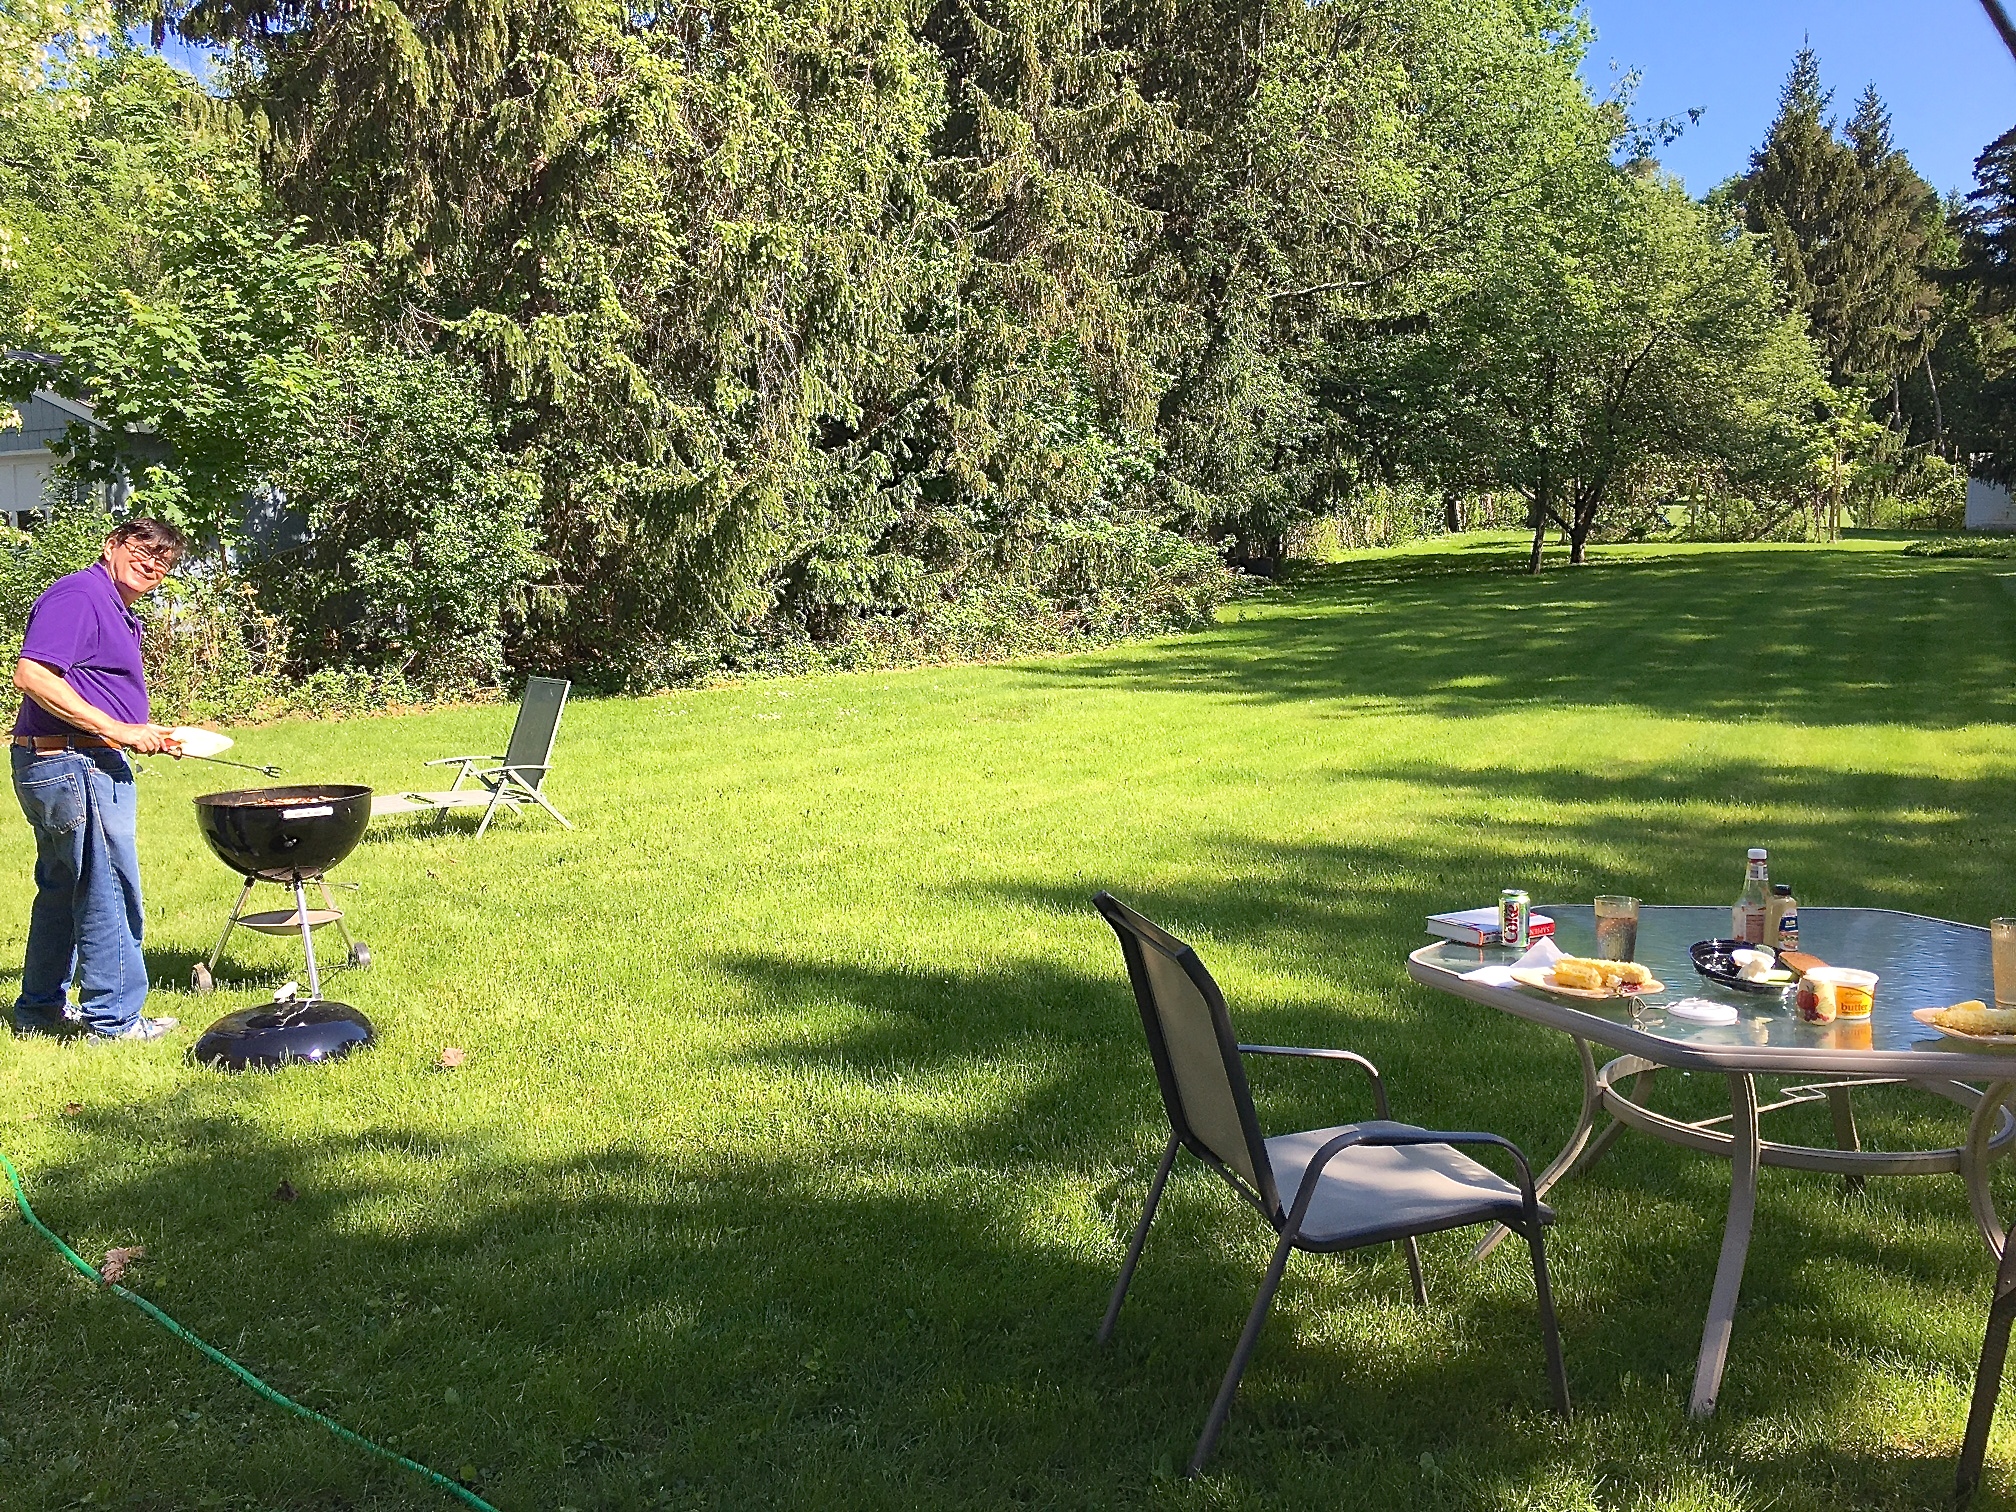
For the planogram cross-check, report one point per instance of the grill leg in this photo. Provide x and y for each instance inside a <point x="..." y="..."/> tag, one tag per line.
<point x="307" y="939"/>
<point x="229" y="924"/>
<point x="341" y="928"/>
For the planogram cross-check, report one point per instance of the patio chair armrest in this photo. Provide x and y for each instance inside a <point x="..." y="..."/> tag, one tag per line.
<point x="452" y="760"/>
<point x="1306" y="1053"/>
<point x="1306" y="1192"/>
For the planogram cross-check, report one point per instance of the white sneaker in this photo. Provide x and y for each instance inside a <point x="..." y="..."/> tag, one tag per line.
<point x="145" y="1029"/>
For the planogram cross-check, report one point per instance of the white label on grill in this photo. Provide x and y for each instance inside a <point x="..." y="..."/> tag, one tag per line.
<point x="316" y="812"/>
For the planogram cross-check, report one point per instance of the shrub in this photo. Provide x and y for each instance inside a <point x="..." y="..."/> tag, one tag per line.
<point x="414" y="535"/>
<point x="1993" y="547"/>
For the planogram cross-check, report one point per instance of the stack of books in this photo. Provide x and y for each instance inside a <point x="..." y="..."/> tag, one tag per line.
<point x="1479" y="926"/>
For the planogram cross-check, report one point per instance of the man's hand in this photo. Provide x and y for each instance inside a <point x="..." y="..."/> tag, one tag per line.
<point x="147" y="739"/>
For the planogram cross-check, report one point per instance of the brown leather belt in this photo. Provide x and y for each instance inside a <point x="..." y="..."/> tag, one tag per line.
<point x="66" y="742"/>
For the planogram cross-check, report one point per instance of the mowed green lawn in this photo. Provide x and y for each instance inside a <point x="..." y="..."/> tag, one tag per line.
<point x="805" y="1110"/>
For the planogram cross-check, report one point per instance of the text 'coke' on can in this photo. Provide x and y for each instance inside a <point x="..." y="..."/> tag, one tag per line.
<point x="1515" y="919"/>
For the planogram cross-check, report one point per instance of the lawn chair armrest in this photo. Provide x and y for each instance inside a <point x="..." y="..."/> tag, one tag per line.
<point x="1306" y="1192"/>
<point x="452" y="760"/>
<point x="1306" y="1053"/>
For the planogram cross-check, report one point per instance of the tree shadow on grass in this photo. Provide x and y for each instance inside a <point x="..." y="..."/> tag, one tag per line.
<point x="844" y="1298"/>
<point x="628" y="1325"/>
<point x="1812" y="638"/>
<point x="877" y="1285"/>
<point x="1635" y="1290"/>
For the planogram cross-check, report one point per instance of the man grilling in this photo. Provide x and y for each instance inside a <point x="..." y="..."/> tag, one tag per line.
<point x="84" y="705"/>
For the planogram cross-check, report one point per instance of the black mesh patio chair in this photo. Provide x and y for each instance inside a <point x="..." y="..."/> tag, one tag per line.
<point x="1988" y="1374"/>
<point x="1349" y="1186"/>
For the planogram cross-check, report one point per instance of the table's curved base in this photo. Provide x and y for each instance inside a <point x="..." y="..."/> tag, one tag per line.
<point x="1991" y="1132"/>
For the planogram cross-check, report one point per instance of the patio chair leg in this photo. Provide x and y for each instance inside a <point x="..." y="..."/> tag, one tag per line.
<point x="1550" y="1331"/>
<point x="1414" y="1270"/>
<point x="1248" y="1338"/>
<point x="489" y="811"/>
<point x="1140" y="1238"/>
<point x="545" y="803"/>
<point x="1988" y="1377"/>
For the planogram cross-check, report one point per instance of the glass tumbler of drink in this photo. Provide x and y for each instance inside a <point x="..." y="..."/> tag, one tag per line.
<point x="2002" y="937"/>
<point x="1617" y="929"/>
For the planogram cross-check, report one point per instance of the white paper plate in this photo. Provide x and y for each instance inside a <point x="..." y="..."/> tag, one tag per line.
<point x="194" y="741"/>
<point x="1999" y="1041"/>
<point x="1702" y="1011"/>
<point x="1544" y="980"/>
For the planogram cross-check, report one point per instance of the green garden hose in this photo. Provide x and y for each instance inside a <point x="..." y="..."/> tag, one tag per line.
<point x="451" y="1487"/>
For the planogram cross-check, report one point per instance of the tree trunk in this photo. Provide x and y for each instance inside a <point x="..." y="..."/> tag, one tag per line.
<point x="1938" y="413"/>
<point x="1452" y="513"/>
<point x="1578" y="537"/>
<point x="1539" y="517"/>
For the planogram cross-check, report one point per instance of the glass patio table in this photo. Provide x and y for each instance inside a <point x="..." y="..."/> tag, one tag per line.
<point x="1922" y="963"/>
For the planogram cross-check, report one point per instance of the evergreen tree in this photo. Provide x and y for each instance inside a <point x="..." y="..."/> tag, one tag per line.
<point x="1850" y="223"/>
<point x="1977" y="350"/>
<point x="1989" y="225"/>
<point x="1889" y="231"/>
<point x="1794" y="196"/>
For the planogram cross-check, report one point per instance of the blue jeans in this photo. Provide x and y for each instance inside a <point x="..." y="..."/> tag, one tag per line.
<point x="87" y="919"/>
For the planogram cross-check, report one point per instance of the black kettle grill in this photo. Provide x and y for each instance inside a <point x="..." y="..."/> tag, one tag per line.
<point x="289" y="836"/>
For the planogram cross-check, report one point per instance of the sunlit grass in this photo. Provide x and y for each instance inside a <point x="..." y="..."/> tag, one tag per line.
<point x="805" y="1113"/>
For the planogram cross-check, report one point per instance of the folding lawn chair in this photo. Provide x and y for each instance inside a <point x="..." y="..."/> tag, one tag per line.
<point x="519" y="777"/>
<point x="1349" y="1186"/>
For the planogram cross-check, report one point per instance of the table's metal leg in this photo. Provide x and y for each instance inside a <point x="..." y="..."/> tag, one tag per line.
<point x="1976" y="1162"/>
<point x="1641" y="1083"/>
<point x="1988" y="1377"/>
<point x="1735" y="1246"/>
<point x="1584" y="1122"/>
<point x="1846" y="1135"/>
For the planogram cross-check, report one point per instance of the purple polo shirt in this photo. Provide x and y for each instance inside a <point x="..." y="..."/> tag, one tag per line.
<point x="82" y="629"/>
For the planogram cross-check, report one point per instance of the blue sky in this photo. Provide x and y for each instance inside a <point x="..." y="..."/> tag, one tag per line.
<point x="1949" y="83"/>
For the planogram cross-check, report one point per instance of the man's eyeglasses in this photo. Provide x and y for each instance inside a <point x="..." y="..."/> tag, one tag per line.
<point x="161" y="560"/>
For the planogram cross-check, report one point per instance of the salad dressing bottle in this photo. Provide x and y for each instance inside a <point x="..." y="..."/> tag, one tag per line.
<point x="1747" y="920"/>
<point x="1781" y="924"/>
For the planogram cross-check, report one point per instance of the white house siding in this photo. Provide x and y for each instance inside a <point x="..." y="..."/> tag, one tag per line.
<point x="1989" y="506"/>
<point x="23" y="479"/>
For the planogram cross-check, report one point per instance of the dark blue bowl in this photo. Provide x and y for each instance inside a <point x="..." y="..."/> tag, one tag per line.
<point x="1715" y="960"/>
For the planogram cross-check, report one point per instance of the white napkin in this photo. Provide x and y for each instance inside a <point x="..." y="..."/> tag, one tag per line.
<point x="1543" y="954"/>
